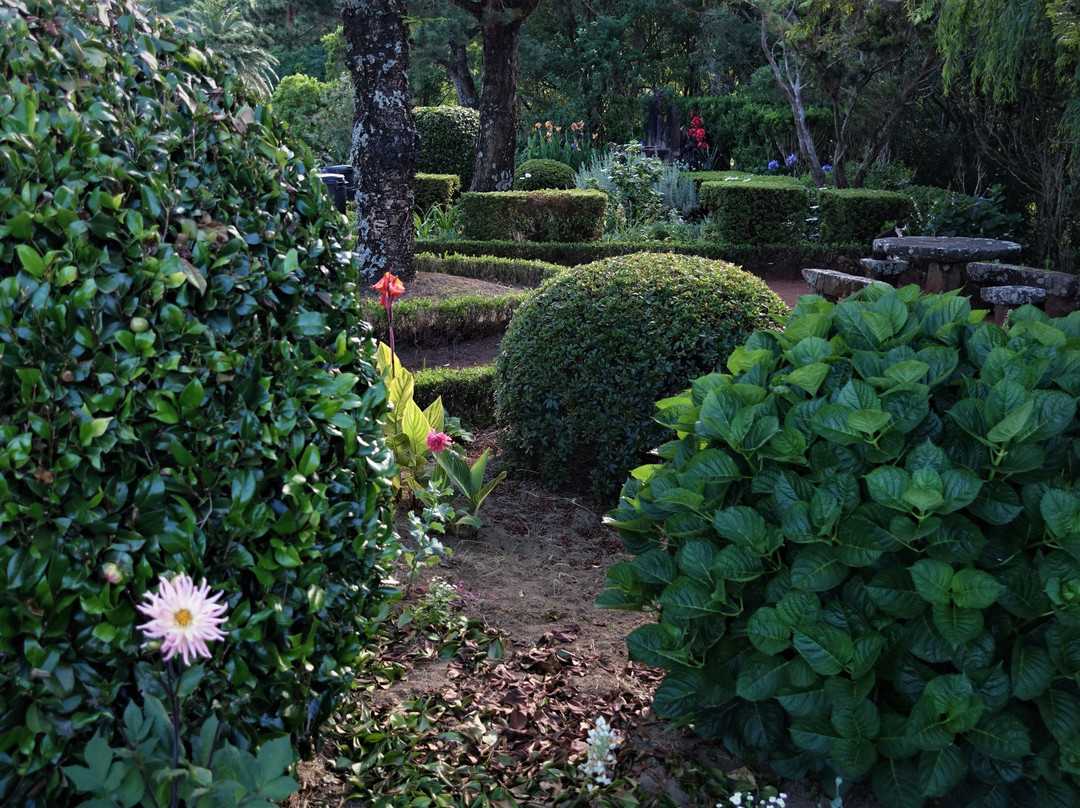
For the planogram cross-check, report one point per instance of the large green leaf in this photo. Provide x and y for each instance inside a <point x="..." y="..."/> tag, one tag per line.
<point x="1001" y="736"/>
<point x="741" y="525"/>
<point x="768" y="633"/>
<point x="677" y="694"/>
<point x="932" y="579"/>
<point x="760" y="678"/>
<point x="659" y="645"/>
<point x="817" y="568"/>
<point x="896" y="784"/>
<point x="974" y="589"/>
<point x="689" y="599"/>
<point x="941" y="770"/>
<point x="826" y="648"/>
<point x="956" y="624"/>
<point x="887" y="485"/>
<point x="1031" y="671"/>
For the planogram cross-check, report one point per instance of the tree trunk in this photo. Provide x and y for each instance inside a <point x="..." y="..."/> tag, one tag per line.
<point x="457" y="68"/>
<point x="496" y="144"/>
<point x="791" y="84"/>
<point x="384" y="141"/>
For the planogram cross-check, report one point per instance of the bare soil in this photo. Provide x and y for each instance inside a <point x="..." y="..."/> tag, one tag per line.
<point x="532" y="573"/>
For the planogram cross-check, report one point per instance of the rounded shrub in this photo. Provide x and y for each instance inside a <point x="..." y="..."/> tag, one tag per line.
<point x="184" y="387"/>
<point x="447" y="141"/>
<point x="583" y="359"/>
<point x="864" y="542"/>
<point x="540" y="175"/>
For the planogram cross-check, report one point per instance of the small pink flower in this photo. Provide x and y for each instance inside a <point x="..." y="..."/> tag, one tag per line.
<point x="184" y="617"/>
<point x="113" y="573"/>
<point x="438" y="441"/>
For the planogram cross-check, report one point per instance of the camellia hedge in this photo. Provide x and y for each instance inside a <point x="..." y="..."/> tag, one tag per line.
<point x="184" y="387"/>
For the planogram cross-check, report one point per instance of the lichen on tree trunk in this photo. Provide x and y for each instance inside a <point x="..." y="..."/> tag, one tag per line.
<point x="384" y="143"/>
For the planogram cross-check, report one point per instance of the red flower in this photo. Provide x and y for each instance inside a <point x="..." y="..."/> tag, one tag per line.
<point x="390" y="288"/>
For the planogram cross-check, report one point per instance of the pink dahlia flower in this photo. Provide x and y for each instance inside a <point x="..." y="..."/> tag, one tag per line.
<point x="438" y="441"/>
<point x="184" y="617"/>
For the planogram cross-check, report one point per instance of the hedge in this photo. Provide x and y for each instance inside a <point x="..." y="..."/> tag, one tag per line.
<point x="856" y="215"/>
<point x="750" y="256"/>
<point x="757" y="211"/>
<point x="469" y="393"/>
<point x="514" y="271"/>
<point x="564" y="216"/>
<point x="435" y="189"/>
<point x="428" y="322"/>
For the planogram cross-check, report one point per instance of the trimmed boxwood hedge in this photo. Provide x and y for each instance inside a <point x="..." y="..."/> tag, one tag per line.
<point x="435" y="189"/>
<point x="571" y="216"/>
<point x="757" y="211"/>
<point x="856" y="215"/>
<point x="447" y="141"/>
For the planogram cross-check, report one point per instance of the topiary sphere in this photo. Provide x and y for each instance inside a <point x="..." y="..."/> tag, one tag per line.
<point x="584" y="360"/>
<point x="447" y="141"/>
<point x="540" y="175"/>
<point x="184" y="387"/>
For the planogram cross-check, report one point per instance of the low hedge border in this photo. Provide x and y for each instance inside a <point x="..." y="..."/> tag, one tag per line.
<point x="489" y="268"/>
<point x="749" y="256"/>
<point x="570" y="216"/>
<point x="427" y="321"/>
<point x="467" y="393"/>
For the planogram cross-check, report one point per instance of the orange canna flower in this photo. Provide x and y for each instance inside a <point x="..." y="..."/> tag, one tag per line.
<point x="537" y="124"/>
<point x="390" y="288"/>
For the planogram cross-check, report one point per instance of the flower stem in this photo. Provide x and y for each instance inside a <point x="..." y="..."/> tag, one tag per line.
<point x="174" y="703"/>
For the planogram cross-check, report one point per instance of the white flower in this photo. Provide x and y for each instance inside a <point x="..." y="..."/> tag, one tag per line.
<point x="602" y="739"/>
<point x="184" y="617"/>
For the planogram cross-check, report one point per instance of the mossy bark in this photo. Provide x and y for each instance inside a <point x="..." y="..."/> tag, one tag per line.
<point x="384" y="143"/>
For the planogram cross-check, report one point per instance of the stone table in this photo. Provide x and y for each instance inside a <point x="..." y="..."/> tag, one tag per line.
<point x="938" y="263"/>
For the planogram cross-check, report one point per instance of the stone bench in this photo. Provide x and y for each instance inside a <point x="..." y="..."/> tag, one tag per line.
<point x="882" y="269"/>
<point x="1006" y="298"/>
<point x="1061" y="288"/>
<point x="834" y="285"/>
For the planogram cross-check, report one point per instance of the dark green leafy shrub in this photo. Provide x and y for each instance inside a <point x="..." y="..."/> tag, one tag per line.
<point x="533" y="215"/>
<point x="583" y="358"/>
<point x="538" y="175"/>
<point x="183" y="387"/>
<point x="435" y="189"/>
<point x="856" y="215"/>
<point x="447" y="141"/>
<point x="972" y="216"/>
<point x="757" y="211"/>
<point x="865" y="543"/>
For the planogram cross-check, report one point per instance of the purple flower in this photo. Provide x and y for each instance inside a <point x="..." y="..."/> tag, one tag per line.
<point x="774" y="165"/>
<point x="826" y="168"/>
<point x="789" y="161"/>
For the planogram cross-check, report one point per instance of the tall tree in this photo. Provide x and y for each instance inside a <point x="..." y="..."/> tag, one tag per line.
<point x="500" y="26"/>
<point x="1018" y="64"/>
<point x="871" y="60"/>
<point x="384" y="140"/>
